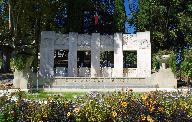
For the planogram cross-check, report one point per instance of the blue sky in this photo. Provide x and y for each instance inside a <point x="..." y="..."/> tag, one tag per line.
<point x="134" y="4"/>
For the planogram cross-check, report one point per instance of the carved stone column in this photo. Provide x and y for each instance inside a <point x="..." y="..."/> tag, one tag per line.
<point x="47" y="54"/>
<point x="72" y="56"/>
<point x="144" y="54"/>
<point x="118" y="55"/>
<point x="95" y="55"/>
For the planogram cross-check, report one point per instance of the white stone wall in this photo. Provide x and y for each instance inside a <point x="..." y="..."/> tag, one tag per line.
<point x="106" y="72"/>
<point x="47" y="53"/>
<point x="144" y="54"/>
<point x="84" y="72"/>
<point x="96" y="43"/>
<point x="118" y="55"/>
<point x="72" y="56"/>
<point x="139" y="42"/>
<point x="84" y="42"/>
<point x="61" y="41"/>
<point x="95" y="55"/>
<point x="107" y="42"/>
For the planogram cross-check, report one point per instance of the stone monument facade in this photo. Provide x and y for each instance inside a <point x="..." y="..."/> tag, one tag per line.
<point x="95" y="42"/>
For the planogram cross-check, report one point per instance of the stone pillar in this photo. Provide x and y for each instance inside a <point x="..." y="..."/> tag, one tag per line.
<point x="47" y="54"/>
<point x="144" y="63"/>
<point x="72" y="56"/>
<point x="118" y="55"/>
<point x="163" y="65"/>
<point x="95" y="55"/>
<point x="144" y="55"/>
<point x="17" y="78"/>
<point x="20" y="80"/>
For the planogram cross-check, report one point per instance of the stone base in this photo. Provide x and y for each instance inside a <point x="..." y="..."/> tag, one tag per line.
<point x="161" y="79"/>
<point x="166" y="79"/>
<point x="20" y="81"/>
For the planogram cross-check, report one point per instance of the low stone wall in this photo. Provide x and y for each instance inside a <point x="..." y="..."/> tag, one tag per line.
<point x="101" y="83"/>
<point x="162" y="79"/>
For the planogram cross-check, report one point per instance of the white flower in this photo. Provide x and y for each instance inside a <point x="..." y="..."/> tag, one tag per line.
<point x="14" y="98"/>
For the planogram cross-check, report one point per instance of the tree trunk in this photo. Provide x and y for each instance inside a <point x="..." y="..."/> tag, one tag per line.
<point x="1" y="57"/>
<point x="6" y="60"/>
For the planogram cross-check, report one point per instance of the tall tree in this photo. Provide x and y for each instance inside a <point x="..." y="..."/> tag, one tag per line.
<point x="29" y="18"/>
<point x="168" y="21"/>
<point x="22" y="23"/>
<point x="119" y="15"/>
<point x="5" y="47"/>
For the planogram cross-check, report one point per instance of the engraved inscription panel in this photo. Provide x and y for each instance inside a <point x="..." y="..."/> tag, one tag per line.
<point x="62" y="39"/>
<point x="143" y="44"/>
<point x="84" y="40"/>
<point x="107" y="42"/>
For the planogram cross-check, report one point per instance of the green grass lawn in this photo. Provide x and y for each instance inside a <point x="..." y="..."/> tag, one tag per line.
<point x="45" y="95"/>
<point x="42" y="95"/>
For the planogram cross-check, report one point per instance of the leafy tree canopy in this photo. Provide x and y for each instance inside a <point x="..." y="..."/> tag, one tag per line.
<point x="21" y="21"/>
<point x="170" y="22"/>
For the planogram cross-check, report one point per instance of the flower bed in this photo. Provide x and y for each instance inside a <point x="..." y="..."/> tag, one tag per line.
<point x="105" y="107"/>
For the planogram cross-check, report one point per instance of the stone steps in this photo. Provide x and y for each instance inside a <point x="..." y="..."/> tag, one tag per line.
<point x="102" y="83"/>
<point x="162" y="79"/>
<point x="102" y="86"/>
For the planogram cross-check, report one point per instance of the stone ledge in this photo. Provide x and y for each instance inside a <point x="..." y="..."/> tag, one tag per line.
<point x="119" y="89"/>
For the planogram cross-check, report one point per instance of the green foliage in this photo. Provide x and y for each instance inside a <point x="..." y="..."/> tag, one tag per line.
<point x="186" y="65"/>
<point x="172" y="63"/>
<point x="130" y="58"/>
<point x="18" y="62"/>
<point x="185" y="69"/>
<point x="156" y="57"/>
<point x="105" y="107"/>
<point x="45" y="95"/>
<point x="119" y="15"/>
<point x="21" y="61"/>
<point x="168" y="21"/>
<point x="154" y="62"/>
<point x="29" y="18"/>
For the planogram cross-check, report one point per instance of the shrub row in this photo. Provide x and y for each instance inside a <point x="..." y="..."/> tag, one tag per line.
<point x="100" y="107"/>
